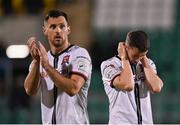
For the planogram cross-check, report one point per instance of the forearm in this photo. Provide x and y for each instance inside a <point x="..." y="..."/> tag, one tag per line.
<point x="154" y="82"/>
<point x="31" y="83"/>
<point x="125" y="80"/>
<point x="66" y="84"/>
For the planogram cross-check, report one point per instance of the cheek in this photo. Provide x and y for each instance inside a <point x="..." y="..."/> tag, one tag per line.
<point x="135" y="57"/>
<point x="64" y="34"/>
<point x="132" y="56"/>
<point x="50" y="34"/>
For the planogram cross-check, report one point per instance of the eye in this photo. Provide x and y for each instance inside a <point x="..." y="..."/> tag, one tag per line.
<point x="136" y="56"/>
<point x="53" y="26"/>
<point x="62" y="26"/>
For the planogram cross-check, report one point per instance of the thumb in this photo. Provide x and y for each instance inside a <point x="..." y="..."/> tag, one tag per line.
<point x="42" y="48"/>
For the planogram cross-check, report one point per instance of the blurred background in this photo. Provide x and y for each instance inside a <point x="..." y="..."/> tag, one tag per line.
<point x="97" y="25"/>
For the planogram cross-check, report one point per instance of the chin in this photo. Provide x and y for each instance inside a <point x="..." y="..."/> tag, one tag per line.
<point x="58" y="43"/>
<point x="133" y="61"/>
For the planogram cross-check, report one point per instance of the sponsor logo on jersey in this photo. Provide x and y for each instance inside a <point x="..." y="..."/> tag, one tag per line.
<point x="83" y="66"/>
<point x="110" y="71"/>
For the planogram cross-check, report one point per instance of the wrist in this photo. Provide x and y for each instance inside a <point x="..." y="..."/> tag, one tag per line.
<point x="123" y="58"/>
<point x="144" y="62"/>
<point x="144" y="59"/>
<point x="46" y="66"/>
<point x="35" y="61"/>
<point x="125" y="63"/>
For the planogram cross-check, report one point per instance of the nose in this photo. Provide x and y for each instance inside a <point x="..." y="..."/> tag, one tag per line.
<point x="135" y="59"/>
<point x="58" y="29"/>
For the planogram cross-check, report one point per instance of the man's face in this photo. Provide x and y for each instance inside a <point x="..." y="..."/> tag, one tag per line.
<point x="133" y="54"/>
<point x="57" y="31"/>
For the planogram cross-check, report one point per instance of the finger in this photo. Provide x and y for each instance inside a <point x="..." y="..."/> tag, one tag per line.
<point x="32" y="47"/>
<point x="38" y="51"/>
<point x="42" y="48"/>
<point x="31" y="44"/>
<point x="33" y="52"/>
<point x="121" y="46"/>
<point x="37" y="44"/>
<point x="30" y="40"/>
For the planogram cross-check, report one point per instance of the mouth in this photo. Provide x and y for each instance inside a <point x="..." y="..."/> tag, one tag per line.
<point x="58" y="37"/>
<point x="134" y="61"/>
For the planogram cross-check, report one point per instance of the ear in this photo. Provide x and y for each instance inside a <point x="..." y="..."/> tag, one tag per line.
<point x="44" y="30"/>
<point x="146" y="52"/>
<point x="126" y="43"/>
<point x="69" y="30"/>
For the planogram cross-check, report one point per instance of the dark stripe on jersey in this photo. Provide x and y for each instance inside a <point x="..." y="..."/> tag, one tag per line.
<point x="55" y="93"/>
<point x="57" y="55"/>
<point x="117" y="57"/>
<point x="137" y="99"/>
<point x="111" y="84"/>
<point x="80" y="74"/>
<point x="136" y="94"/>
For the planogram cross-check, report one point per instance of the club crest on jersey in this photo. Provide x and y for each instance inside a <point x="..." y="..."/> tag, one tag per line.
<point x="65" y="59"/>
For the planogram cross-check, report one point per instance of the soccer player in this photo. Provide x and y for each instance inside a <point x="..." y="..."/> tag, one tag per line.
<point x="63" y="73"/>
<point x="128" y="80"/>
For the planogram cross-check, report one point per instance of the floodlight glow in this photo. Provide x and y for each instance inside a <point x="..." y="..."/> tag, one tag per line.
<point x="17" y="51"/>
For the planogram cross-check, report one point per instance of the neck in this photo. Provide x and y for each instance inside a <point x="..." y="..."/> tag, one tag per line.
<point x="57" y="50"/>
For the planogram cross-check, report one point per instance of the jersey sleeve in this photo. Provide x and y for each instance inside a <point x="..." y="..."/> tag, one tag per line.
<point x="152" y="64"/>
<point x="110" y="70"/>
<point x="81" y="63"/>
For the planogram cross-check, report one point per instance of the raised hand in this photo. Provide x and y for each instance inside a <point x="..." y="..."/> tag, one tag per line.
<point x="33" y="48"/>
<point x="122" y="50"/>
<point x="43" y="55"/>
<point x="144" y="61"/>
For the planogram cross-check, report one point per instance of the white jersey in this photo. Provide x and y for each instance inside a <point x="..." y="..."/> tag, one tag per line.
<point x="123" y="107"/>
<point x="74" y="60"/>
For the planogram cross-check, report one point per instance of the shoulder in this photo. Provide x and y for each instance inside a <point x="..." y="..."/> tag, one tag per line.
<point x="111" y="65"/>
<point x="113" y="60"/>
<point x="151" y="62"/>
<point x="77" y="49"/>
<point x="79" y="52"/>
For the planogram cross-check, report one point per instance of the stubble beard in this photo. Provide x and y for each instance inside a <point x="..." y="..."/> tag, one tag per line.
<point x="58" y="43"/>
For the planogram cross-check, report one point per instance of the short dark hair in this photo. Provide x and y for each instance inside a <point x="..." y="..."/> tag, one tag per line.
<point x="54" y="14"/>
<point x="138" y="39"/>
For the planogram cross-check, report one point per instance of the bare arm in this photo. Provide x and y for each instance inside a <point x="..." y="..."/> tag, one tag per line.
<point x="70" y="85"/>
<point x="154" y="82"/>
<point x="125" y="80"/>
<point x="31" y="83"/>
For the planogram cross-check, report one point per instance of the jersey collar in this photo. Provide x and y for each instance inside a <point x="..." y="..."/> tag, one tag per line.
<point x="57" y="55"/>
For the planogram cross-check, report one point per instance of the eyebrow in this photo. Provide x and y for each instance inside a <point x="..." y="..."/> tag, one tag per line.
<point x="51" y="25"/>
<point x="59" y="24"/>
